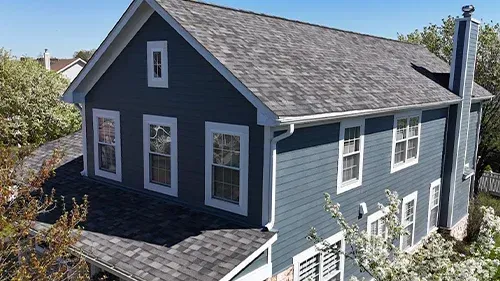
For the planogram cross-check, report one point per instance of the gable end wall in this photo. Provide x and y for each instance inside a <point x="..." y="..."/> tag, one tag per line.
<point x="196" y="93"/>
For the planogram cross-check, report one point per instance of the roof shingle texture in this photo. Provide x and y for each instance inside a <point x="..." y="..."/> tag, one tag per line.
<point x="148" y="238"/>
<point x="298" y="69"/>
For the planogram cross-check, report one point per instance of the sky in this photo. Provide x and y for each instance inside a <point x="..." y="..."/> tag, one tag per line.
<point x="27" y="27"/>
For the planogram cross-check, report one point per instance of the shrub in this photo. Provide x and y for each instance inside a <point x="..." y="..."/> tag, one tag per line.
<point x="31" y="111"/>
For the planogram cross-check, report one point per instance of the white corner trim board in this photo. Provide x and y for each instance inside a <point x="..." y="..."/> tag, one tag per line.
<point x="84" y="140"/>
<point x="171" y="123"/>
<point x="242" y="132"/>
<point x="343" y="186"/>
<point x="115" y="116"/>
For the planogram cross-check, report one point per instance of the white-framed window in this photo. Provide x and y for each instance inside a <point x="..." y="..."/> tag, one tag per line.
<point x="312" y="264"/>
<point x="351" y="146"/>
<point x="157" y="57"/>
<point x="376" y="224"/>
<point x="226" y="167"/>
<point x="408" y="215"/>
<point x="107" y="144"/>
<point x="160" y="154"/>
<point x="406" y="140"/>
<point x="434" y="197"/>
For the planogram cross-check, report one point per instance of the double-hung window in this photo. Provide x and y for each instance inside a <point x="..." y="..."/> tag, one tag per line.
<point x="408" y="220"/>
<point x="351" y="145"/>
<point x="157" y="62"/>
<point x="160" y="154"/>
<point x="406" y="143"/>
<point x="226" y="167"/>
<point x="434" y="205"/>
<point x="107" y="148"/>
<point x="376" y="224"/>
<point x="313" y="264"/>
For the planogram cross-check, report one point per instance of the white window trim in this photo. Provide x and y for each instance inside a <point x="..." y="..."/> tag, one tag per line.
<point x="408" y="163"/>
<point x="308" y="253"/>
<point x="115" y="115"/>
<point x="411" y="197"/>
<point x="345" y="186"/>
<point x="157" y="46"/>
<point x="236" y="130"/>
<point x="375" y="217"/>
<point x="172" y="123"/>
<point x="433" y="184"/>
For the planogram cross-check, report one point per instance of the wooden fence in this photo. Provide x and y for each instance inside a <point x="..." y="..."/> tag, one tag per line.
<point x="490" y="182"/>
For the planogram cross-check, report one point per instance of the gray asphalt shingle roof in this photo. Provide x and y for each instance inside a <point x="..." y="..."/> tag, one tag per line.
<point x="149" y="238"/>
<point x="298" y="69"/>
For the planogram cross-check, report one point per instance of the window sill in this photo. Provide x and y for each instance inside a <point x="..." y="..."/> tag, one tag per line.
<point x="402" y="166"/>
<point x="346" y="186"/>
<point x="226" y="206"/>
<point x="108" y="175"/>
<point x="168" y="190"/>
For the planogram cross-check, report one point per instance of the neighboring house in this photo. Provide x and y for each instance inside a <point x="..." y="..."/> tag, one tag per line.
<point x="69" y="68"/>
<point x="250" y="118"/>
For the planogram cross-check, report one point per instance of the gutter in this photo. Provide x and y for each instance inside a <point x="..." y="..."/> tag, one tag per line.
<point x="358" y="113"/>
<point x="111" y="269"/>
<point x="272" y="175"/>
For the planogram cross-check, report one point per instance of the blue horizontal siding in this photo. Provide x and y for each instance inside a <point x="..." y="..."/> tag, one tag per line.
<point x="307" y="168"/>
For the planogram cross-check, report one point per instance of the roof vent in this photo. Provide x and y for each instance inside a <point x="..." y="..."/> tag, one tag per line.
<point x="468" y="10"/>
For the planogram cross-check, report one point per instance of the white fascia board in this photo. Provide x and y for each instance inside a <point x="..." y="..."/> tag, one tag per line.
<point x="102" y="57"/>
<point x="336" y="116"/>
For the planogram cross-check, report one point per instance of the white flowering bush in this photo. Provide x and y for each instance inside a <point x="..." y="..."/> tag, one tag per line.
<point x="31" y="111"/>
<point x="434" y="259"/>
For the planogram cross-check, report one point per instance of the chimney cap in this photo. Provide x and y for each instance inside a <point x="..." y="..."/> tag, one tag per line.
<point x="468" y="10"/>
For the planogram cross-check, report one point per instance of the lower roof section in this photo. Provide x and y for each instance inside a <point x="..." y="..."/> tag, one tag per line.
<point x="147" y="238"/>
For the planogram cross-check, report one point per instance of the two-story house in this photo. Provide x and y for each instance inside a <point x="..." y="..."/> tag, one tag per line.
<point x="247" y="119"/>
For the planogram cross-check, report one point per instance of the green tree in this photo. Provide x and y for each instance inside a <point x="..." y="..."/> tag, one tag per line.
<point x="439" y="40"/>
<point x="31" y="111"/>
<point x="84" y="54"/>
<point x="31" y="251"/>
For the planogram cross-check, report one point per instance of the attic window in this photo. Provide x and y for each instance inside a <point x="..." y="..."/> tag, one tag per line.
<point x="157" y="58"/>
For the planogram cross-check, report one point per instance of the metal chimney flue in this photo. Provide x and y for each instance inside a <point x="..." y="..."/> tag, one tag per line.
<point x="468" y="10"/>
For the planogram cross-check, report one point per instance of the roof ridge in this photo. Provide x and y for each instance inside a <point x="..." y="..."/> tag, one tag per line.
<point x="298" y="21"/>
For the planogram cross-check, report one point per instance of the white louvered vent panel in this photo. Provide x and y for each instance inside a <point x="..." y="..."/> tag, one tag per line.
<point x="309" y="269"/>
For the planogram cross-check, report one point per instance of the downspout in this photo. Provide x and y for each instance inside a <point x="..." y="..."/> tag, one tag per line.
<point x="272" y="175"/>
